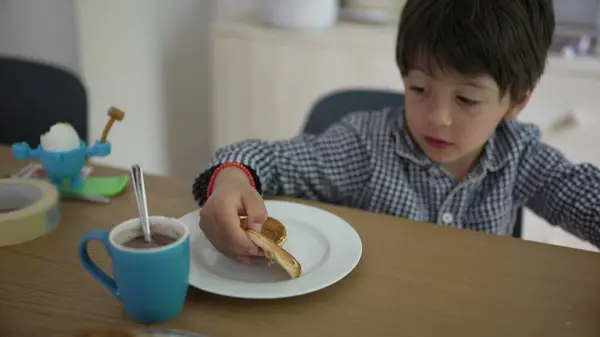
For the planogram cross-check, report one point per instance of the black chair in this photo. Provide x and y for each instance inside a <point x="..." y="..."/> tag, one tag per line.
<point x="331" y="108"/>
<point x="34" y="96"/>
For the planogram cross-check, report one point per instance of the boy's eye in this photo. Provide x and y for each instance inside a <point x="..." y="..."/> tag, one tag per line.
<point x="416" y="89"/>
<point x="467" y="101"/>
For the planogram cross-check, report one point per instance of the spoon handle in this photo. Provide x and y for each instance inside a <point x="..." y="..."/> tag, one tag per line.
<point x="137" y="176"/>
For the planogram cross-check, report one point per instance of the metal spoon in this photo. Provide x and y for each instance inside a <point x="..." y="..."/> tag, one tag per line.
<point x="137" y="177"/>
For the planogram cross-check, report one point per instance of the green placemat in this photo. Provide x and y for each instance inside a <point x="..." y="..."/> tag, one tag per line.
<point x="102" y="186"/>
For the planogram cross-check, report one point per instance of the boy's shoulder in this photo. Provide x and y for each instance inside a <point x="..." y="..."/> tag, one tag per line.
<point x="374" y="122"/>
<point x="518" y="132"/>
<point x="513" y="138"/>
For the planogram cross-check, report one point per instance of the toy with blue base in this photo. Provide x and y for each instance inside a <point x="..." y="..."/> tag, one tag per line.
<point x="63" y="165"/>
<point x="59" y="154"/>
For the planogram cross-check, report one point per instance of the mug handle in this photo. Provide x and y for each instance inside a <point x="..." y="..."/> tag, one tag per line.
<point x="90" y="266"/>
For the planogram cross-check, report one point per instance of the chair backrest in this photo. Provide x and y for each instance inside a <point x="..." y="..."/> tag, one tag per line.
<point x="34" y="96"/>
<point x="333" y="107"/>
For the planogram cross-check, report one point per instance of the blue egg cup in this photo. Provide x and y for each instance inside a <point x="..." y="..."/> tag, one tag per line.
<point x="62" y="165"/>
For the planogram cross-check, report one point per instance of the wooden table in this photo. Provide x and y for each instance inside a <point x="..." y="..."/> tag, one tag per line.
<point x="413" y="280"/>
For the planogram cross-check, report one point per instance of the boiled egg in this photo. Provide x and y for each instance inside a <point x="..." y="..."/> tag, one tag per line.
<point x="61" y="137"/>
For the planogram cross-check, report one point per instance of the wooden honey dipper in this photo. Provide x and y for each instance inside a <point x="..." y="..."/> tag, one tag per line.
<point x="115" y="115"/>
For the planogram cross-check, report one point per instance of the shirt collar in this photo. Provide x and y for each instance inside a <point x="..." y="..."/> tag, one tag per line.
<point x="495" y="156"/>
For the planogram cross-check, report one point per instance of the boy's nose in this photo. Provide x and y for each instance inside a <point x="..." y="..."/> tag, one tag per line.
<point x="440" y="114"/>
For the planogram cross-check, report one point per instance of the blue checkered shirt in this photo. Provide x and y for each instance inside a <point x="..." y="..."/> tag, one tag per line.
<point x="368" y="161"/>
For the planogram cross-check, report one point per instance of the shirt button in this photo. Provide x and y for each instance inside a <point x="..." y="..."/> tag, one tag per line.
<point x="447" y="218"/>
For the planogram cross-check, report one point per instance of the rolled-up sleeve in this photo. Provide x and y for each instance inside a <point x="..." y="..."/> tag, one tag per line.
<point x="563" y="193"/>
<point x="333" y="166"/>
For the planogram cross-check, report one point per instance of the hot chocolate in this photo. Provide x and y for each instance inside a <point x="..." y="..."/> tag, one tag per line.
<point x="158" y="240"/>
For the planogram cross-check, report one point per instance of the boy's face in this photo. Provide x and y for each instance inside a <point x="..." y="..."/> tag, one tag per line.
<point x="451" y="116"/>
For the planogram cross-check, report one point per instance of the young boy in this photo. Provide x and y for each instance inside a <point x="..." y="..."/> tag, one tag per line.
<point x="453" y="155"/>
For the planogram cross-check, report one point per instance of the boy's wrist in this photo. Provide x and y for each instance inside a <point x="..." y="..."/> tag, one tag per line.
<point x="229" y="174"/>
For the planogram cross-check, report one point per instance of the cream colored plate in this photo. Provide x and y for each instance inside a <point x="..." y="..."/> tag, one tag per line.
<point x="326" y="246"/>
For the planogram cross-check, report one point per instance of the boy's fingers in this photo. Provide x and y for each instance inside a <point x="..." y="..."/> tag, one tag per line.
<point x="233" y="237"/>
<point x="255" y="210"/>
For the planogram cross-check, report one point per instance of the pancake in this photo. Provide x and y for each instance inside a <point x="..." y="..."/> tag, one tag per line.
<point x="272" y="229"/>
<point x="271" y="238"/>
<point x="276" y="254"/>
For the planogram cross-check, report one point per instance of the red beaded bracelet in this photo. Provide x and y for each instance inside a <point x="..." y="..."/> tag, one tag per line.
<point x="224" y="166"/>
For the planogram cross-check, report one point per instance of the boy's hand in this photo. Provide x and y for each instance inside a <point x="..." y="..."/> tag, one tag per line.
<point x="232" y="196"/>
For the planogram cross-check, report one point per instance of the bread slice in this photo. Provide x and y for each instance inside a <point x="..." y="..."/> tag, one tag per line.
<point x="271" y="228"/>
<point x="275" y="253"/>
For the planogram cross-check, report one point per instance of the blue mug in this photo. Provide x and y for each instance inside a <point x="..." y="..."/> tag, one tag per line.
<point x="151" y="283"/>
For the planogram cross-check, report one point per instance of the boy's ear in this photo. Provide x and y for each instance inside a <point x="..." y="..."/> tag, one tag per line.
<point x="516" y="107"/>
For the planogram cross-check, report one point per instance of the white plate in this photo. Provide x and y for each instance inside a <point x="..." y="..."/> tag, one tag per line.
<point x="326" y="246"/>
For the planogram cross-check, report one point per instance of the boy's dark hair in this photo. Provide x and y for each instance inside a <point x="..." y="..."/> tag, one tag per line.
<point x="506" y="39"/>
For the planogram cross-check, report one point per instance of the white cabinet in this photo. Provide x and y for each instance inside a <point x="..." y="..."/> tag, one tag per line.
<point x="266" y="80"/>
<point x="558" y="96"/>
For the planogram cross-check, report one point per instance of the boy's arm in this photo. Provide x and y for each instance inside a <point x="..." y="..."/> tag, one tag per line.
<point x="563" y="193"/>
<point x="333" y="166"/>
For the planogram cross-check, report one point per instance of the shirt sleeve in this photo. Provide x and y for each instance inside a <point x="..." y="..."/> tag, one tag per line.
<point x="563" y="193"/>
<point x="333" y="166"/>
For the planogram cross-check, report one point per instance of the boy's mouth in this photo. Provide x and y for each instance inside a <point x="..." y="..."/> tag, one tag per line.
<point x="437" y="143"/>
